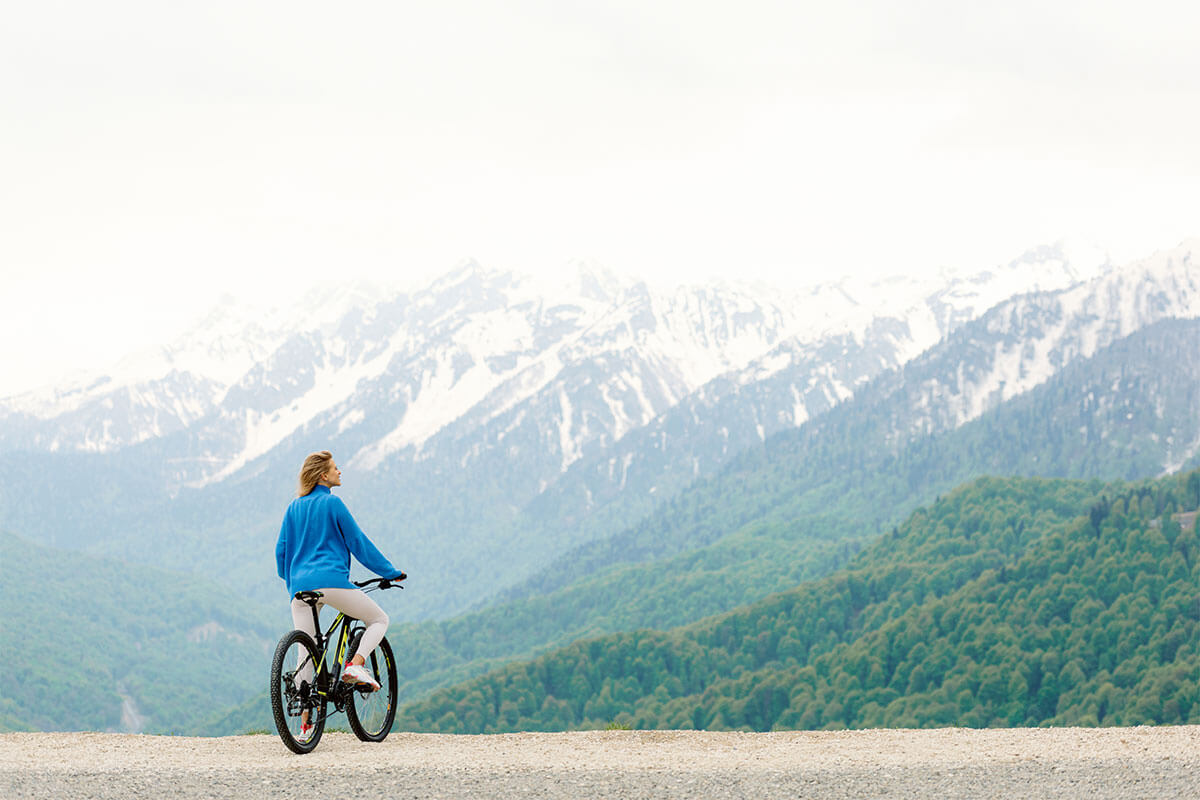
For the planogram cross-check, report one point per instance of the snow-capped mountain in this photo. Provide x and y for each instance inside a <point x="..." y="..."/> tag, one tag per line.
<point x="1024" y="341"/>
<point x="155" y="393"/>
<point x="487" y="399"/>
<point x="992" y="362"/>
<point x="886" y="325"/>
<point x="475" y="344"/>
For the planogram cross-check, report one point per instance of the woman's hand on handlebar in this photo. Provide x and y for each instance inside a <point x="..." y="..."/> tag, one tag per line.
<point x="387" y="583"/>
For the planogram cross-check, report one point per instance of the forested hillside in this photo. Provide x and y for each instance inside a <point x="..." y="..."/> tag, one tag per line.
<point x="1009" y="602"/>
<point x="120" y="647"/>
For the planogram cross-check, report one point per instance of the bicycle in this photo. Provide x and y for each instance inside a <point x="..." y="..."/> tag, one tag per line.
<point x="300" y="695"/>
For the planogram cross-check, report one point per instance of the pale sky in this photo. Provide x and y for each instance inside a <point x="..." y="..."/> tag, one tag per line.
<point x="156" y="155"/>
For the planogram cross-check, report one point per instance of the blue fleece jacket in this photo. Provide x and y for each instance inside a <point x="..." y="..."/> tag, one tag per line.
<point x="316" y="540"/>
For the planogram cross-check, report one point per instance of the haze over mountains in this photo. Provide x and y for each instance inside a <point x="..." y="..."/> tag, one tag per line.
<point x="489" y="339"/>
<point x="504" y="437"/>
<point x="481" y="377"/>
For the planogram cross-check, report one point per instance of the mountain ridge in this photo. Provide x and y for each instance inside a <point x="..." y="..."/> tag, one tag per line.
<point x="578" y="421"/>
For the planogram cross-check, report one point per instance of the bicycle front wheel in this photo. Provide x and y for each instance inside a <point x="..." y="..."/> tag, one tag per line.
<point x="296" y="703"/>
<point x="371" y="713"/>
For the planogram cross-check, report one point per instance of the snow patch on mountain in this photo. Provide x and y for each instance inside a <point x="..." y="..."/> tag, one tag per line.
<point x="1177" y="460"/>
<point x="332" y="384"/>
<point x="654" y="348"/>
<point x="440" y="398"/>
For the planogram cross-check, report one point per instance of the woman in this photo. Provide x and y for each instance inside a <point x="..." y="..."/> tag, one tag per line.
<point x="316" y="540"/>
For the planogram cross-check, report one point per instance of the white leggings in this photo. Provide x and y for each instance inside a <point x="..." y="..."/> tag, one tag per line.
<point x="351" y="602"/>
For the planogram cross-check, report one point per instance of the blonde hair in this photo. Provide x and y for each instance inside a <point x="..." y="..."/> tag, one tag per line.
<point x="315" y="467"/>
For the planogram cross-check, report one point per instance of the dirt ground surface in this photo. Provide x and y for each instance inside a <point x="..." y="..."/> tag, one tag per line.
<point x="948" y="763"/>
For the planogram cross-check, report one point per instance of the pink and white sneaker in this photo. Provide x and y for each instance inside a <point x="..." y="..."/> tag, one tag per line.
<point x="357" y="673"/>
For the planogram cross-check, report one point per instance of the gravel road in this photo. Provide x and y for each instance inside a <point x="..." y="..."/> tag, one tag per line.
<point x="948" y="763"/>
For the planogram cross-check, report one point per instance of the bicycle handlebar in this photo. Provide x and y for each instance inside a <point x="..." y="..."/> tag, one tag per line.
<point x="381" y="583"/>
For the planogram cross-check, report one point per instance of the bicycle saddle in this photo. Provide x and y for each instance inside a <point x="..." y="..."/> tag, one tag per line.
<point x="309" y="597"/>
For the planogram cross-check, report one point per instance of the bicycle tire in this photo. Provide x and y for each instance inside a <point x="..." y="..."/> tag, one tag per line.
<point x="287" y="704"/>
<point x="371" y="714"/>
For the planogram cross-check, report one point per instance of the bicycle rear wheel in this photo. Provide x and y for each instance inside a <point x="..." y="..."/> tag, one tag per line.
<point x="371" y="713"/>
<point x="295" y="700"/>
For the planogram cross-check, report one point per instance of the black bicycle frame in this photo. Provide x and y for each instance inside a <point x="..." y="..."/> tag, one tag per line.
<point x="325" y="684"/>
